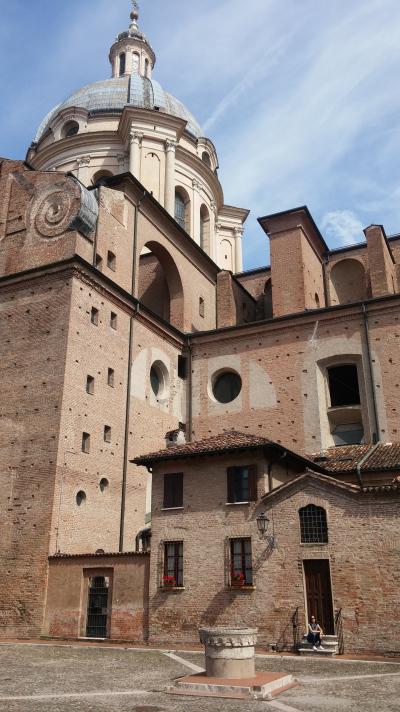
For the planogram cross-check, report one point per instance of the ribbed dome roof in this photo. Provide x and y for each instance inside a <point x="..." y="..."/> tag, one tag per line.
<point x="112" y="95"/>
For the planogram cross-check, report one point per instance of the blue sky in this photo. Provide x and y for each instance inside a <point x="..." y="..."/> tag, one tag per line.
<point x="301" y="97"/>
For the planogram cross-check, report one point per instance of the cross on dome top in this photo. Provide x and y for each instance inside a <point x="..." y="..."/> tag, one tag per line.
<point x="134" y="14"/>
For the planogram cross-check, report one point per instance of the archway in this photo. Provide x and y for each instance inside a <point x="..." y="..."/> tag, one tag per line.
<point x="348" y="282"/>
<point x="160" y="285"/>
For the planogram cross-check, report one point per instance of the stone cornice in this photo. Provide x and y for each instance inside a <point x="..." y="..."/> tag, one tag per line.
<point x="132" y="115"/>
<point x="68" y="149"/>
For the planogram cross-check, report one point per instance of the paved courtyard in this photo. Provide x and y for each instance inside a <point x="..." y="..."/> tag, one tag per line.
<point x="53" y="678"/>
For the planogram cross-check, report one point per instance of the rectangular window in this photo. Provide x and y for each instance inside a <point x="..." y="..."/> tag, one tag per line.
<point x="201" y="307"/>
<point x="111" y="260"/>
<point x="90" y="385"/>
<point x="173" y="490"/>
<point x="110" y="377"/>
<point x="94" y="316"/>
<point x="107" y="434"/>
<point x="343" y="385"/>
<point x="113" y="320"/>
<point x="182" y="367"/>
<point x="99" y="262"/>
<point x="242" y="484"/>
<point x="173" y="563"/>
<point x="85" y="442"/>
<point x="241" y="562"/>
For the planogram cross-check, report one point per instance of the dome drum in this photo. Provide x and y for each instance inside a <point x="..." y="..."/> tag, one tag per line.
<point x="130" y="123"/>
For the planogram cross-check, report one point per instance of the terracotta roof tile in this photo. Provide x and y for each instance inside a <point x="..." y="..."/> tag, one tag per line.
<point x="224" y="442"/>
<point x="345" y="458"/>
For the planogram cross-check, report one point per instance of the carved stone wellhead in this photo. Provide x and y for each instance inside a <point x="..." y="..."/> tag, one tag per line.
<point x="229" y="651"/>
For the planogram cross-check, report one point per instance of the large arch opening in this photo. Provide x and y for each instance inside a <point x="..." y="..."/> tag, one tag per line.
<point x="348" y="282"/>
<point x="159" y="284"/>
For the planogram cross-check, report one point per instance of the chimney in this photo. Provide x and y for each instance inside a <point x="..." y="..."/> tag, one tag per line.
<point x="176" y="437"/>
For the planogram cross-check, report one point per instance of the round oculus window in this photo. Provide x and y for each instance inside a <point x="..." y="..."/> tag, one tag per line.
<point x="159" y="379"/>
<point x="227" y="386"/>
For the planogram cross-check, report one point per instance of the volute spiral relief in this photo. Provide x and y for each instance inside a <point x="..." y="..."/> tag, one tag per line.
<point x="54" y="211"/>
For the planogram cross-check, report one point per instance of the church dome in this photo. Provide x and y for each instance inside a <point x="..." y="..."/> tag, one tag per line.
<point x="112" y="95"/>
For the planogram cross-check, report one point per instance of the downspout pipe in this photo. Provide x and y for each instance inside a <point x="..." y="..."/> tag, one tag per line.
<point x="325" y="280"/>
<point x="129" y="382"/>
<point x="376" y="429"/>
<point x="363" y="461"/>
<point x="190" y="391"/>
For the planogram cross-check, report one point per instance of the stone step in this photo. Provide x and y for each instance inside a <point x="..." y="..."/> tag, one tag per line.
<point x="329" y="643"/>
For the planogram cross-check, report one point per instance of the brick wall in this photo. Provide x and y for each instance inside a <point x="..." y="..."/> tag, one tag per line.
<point x="34" y="318"/>
<point x="362" y="552"/>
<point x="66" y="606"/>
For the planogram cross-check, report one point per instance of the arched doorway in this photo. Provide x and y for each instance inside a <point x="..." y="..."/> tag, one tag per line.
<point x="160" y="285"/>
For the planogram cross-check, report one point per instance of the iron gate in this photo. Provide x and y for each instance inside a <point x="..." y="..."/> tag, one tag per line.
<point x="97" y="612"/>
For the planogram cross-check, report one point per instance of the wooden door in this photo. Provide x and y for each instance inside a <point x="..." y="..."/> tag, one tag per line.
<point x="319" y="593"/>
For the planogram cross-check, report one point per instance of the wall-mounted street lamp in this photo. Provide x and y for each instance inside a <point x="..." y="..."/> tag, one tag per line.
<point x="262" y="526"/>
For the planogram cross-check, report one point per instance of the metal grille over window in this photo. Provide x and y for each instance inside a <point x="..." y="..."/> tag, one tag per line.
<point x="313" y="525"/>
<point x="173" y="563"/>
<point x="241" y="562"/>
<point x="97" y="612"/>
<point x="180" y="210"/>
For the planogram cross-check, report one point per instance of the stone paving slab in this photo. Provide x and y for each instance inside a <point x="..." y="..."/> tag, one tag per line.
<point x="65" y="679"/>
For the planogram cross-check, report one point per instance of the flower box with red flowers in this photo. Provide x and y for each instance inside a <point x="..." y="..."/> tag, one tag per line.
<point x="169" y="581"/>
<point x="238" y="580"/>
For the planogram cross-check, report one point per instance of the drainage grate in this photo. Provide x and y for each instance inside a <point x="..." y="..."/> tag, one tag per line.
<point x="147" y="708"/>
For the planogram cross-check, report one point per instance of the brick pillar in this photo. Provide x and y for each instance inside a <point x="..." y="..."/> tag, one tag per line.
<point x="382" y="268"/>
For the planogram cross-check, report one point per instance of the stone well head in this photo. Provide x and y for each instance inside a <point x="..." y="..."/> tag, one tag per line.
<point x="229" y="651"/>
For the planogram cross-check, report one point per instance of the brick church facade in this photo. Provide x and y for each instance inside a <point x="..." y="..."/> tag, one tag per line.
<point x="128" y="327"/>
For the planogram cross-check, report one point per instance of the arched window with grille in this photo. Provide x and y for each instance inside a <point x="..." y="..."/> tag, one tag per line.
<point x="182" y="209"/>
<point x="313" y="525"/>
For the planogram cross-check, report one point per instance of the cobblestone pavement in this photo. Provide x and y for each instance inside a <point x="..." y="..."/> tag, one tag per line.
<point x="44" y="678"/>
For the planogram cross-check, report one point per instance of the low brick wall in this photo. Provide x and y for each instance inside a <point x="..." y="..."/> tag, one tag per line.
<point x="67" y="595"/>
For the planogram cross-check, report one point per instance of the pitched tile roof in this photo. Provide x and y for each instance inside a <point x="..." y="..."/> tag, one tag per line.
<point x="345" y="487"/>
<point x="386" y="456"/>
<point x="218" y="444"/>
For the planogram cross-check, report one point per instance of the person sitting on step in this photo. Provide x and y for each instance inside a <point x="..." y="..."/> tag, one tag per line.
<point x="315" y="634"/>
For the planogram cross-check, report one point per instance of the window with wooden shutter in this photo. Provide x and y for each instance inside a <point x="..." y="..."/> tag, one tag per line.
<point x="241" y="562"/>
<point x="173" y="490"/>
<point x="173" y="563"/>
<point x="242" y="484"/>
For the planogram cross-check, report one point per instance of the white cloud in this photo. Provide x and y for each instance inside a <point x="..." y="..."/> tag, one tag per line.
<point x="342" y="227"/>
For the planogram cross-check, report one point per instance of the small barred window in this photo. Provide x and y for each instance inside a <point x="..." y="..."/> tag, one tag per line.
<point x="313" y="525"/>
